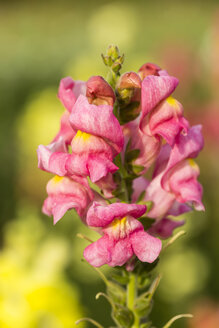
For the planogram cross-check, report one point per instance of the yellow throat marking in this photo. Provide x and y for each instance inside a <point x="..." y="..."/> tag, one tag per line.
<point x="57" y="179"/>
<point x="172" y="102"/>
<point x="83" y="135"/>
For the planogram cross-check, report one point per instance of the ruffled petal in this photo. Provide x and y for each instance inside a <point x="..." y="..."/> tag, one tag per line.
<point x="146" y="247"/>
<point x="100" y="216"/>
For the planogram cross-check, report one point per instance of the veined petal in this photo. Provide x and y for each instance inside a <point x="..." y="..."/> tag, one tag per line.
<point x="98" y="253"/>
<point x="154" y="90"/>
<point x="98" y="121"/>
<point x="186" y="146"/>
<point x="146" y="247"/>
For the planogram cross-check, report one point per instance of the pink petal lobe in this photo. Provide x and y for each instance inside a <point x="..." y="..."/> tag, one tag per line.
<point x="164" y="228"/>
<point x="98" y="253"/>
<point x="154" y="90"/>
<point x="97" y="120"/>
<point x="146" y="247"/>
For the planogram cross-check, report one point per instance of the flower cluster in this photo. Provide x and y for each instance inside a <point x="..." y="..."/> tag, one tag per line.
<point x="110" y="135"/>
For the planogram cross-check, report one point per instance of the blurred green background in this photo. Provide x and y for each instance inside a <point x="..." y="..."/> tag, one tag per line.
<point x="43" y="283"/>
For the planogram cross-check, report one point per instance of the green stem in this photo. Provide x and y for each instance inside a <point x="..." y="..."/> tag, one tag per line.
<point x="131" y="296"/>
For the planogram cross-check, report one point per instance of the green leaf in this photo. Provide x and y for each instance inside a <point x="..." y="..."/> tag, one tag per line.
<point x="141" y="196"/>
<point x="146" y="222"/>
<point x="137" y="169"/>
<point x="132" y="155"/>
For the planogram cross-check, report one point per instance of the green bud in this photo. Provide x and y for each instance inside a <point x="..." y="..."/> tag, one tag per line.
<point x="123" y="316"/>
<point x="113" y="52"/>
<point x="143" y="306"/>
<point x="116" y="67"/>
<point x="116" y="292"/>
<point x="107" y="60"/>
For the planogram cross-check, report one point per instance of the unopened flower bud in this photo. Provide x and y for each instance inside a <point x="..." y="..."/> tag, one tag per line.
<point x="99" y="92"/>
<point x="113" y="52"/>
<point x="148" y="69"/>
<point x="129" y="80"/>
<point x="129" y="88"/>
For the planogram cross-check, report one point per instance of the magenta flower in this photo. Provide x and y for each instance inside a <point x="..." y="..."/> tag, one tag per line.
<point x="162" y="115"/>
<point x="65" y="193"/>
<point x="123" y="235"/>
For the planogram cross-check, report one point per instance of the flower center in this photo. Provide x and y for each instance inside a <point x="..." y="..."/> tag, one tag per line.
<point x="119" y="228"/>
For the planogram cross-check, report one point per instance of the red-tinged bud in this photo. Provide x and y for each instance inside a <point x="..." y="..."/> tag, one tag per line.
<point x="129" y="80"/>
<point x="99" y="92"/>
<point x="148" y="69"/>
<point x="128" y="89"/>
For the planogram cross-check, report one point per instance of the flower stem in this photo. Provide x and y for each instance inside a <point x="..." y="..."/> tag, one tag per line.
<point x="131" y="296"/>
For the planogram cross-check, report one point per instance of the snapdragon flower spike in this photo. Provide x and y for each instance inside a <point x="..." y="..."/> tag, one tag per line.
<point x="162" y="115"/>
<point x="123" y="235"/>
<point x="65" y="193"/>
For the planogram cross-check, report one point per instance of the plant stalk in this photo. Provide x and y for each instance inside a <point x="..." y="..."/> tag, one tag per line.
<point x="131" y="296"/>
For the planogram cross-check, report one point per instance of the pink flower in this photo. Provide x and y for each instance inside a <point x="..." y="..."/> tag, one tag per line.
<point x="175" y="177"/>
<point x="65" y="193"/>
<point x="123" y="235"/>
<point x="162" y="115"/>
<point x="98" y="140"/>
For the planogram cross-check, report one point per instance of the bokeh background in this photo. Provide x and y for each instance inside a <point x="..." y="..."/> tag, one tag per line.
<point x="43" y="282"/>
